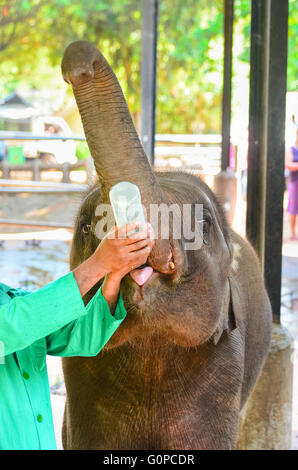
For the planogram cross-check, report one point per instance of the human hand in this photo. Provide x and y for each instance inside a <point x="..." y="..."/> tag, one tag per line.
<point x="119" y="253"/>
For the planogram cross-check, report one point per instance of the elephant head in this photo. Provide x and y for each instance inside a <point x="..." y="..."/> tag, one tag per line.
<point x="162" y="306"/>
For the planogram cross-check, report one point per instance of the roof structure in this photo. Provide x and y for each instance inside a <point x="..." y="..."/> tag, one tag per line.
<point x="15" y="107"/>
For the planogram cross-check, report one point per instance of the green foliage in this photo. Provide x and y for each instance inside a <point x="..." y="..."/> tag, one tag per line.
<point x="189" y="66"/>
<point x="82" y="150"/>
<point x="293" y="47"/>
<point x="34" y="34"/>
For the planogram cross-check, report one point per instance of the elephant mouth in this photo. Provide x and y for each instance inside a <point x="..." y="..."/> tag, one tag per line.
<point x="141" y="275"/>
<point x="146" y="272"/>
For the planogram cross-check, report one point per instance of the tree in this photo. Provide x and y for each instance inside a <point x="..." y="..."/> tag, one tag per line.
<point x="15" y="15"/>
<point x="190" y="52"/>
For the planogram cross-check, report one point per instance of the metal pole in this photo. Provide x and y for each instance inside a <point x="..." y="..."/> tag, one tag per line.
<point x="149" y="63"/>
<point x="257" y="127"/>
<point x="227" y="82"/>
<point x="275" y="181"/>
<point x="269" y="31"/>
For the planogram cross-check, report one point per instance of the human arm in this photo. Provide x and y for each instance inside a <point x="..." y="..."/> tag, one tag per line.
<point x="27" y="318"/>
<point x="88" y="335"/>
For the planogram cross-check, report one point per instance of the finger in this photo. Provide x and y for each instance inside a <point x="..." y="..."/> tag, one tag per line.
<point x="123" y="231"/>
<point x="151" y="243"/>
<point x="139" y="244"/>
<point x="113" y="233"/>
<point x="136" y="258"/>
<point x="146" y="232"/>
<point x="135" y="237"/>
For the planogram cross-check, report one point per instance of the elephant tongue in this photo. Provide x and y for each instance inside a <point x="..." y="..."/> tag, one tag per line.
<point x="140" y="276"/>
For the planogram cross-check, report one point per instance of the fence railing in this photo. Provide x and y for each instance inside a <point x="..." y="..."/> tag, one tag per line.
<point x="201" y="139"/>
<point x="11" y="135"/>
<point x="36" y="167"/>
<point x="199" y="152"/>
<point x="20" y="186"/>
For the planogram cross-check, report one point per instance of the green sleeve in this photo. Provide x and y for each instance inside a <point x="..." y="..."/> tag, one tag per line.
<point x="27" y="318"/>
<point x="87" y="335"/>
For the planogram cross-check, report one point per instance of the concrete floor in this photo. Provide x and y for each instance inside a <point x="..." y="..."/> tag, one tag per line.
<point x="289" y="318"/>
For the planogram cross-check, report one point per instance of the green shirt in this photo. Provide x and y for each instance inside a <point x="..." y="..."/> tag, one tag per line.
<point x="52" y="321"/>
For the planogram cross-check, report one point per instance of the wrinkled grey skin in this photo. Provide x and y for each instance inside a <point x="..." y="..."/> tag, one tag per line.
<point x="178" y="370"/>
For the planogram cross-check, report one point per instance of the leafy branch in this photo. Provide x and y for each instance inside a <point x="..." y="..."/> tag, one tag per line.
<point x="15" y="19"/>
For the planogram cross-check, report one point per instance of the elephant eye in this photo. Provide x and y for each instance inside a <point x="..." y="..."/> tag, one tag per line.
<point x="86" y="229"/>
<point x="206" y="229"/>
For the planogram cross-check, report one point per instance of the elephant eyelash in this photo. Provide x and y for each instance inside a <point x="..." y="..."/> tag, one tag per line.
<point x="206" y="225"/>
<point x="206" y="222"/>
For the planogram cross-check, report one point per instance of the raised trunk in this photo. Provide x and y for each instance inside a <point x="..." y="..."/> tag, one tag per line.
<point x="111" y="136"/>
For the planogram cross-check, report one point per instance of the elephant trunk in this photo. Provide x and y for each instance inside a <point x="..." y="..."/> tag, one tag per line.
<point x="111" y="136"/>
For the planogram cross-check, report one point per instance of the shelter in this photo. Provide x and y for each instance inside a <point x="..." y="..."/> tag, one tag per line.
<point x="16" y="113"/>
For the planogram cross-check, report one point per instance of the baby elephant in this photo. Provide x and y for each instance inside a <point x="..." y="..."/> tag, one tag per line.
<point x="178" y="370"/>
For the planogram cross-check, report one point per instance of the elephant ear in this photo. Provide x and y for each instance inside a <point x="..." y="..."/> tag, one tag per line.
<point x="231" y="309"/>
